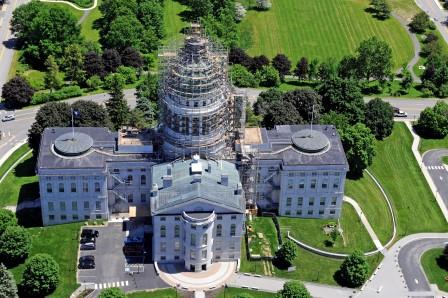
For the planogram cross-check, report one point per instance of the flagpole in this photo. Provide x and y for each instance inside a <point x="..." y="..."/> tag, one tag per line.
<point x="73" y="126"/>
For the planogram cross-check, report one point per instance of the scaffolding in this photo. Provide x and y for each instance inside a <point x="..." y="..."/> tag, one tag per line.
<point x="196" y="98"/>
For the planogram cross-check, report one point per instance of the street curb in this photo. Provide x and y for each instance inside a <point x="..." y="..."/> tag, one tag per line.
<point x="11" y="151"/>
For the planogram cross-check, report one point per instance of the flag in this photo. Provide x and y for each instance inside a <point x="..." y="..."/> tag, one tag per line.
<point x="76" y="114"/>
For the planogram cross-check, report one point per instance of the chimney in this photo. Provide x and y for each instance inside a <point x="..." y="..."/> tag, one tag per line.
<point x="224" y="179"/>
<point x="167" y="181"/>
<point x="169" y="169"/>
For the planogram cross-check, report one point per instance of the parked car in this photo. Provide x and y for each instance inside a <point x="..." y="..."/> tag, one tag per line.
<point x="89" y="233"/>
<point x="399" y="113"/>
<point x="88" y="246"/>
<point x="87" y="239"/>
<point x="86" y="262"/>
<point x="9" y="117"/>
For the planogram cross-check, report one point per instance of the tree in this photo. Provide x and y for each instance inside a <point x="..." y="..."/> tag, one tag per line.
<point x="94" y="82"/>
<point x="52" y="77"/>
<point x="359" y="146"/>
<point x="264" y="4"/>
<point x="340" y="121"/>
<point x="433" y="122"/>
<point x="344" y="97"/>
<point x="420" y="22"/>
<point x="347" y="68"/>
<point x="131" y="57"/>
<point x="73" y="64"/>
<point x="52" y="114"/>
<point x="15" y="245"/>
<point x="91" y="114"/>
<point x="241" y="77"/>
<point x="128" y="73"/>
<point x="293" y="289"/>
<point x="116" y="105"/>
<point x="147" y="95"/>
<point x="200" y="8"/>
<point x="379" y="118"/>
<point x="302" y="68"/>
<point x="239" y="56"/>
<point x="312" y="69"/>
<point x="111" y="60"/>
<point x="112" y="293"/>
<point x="381" y="8"/>
<point x="240" y="12"/>
<point x="17" y="93"/>
<point x="354" y="270"/>
<point x="268" y="76"/>
<point x="374" y="59"/>
<point x="264" y="100"/>
<point x="111" y="9"/>
<point x="7" y="219"/>
<point x="281" y="113"/>
<point x="8" y="287"/>
<point x="124" y="31"/>
<point x="93" y="65"/>
<point x="258" y="62"/>
<point x="435" y="76"/>
<point x="287" y="252"/>
<point x="327" y="70"/>
<point x="41" y="275"/>
<point x="407" y="80"/>
<point x="150" y="13"/>
<point x="282" y="64"/>
<point x="304" y="102"/>
<point x="137" y="119"/>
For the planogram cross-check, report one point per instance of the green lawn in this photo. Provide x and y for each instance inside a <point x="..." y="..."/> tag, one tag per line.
<point x="20" y="184"/>
<point x="267" y="245"/>
<point x="373" y="204"/>
<point x="405" y="8"/>
<point x="434" y="272"/>
<point x="320" y="29"/>
<point x="75" y="12"/>
<point x="88" y="30"/>
<point x="13" y="158"/>
<point x="310" y="232"/>
<point x="61" y="242"/>
<point x="173" y="21"/>
<point x="165" y="293"/>
<point x="428" y="144"/>
<point x="398" y="172"/>
<point x="233" y="292"/>
<point x="445" y="160"/>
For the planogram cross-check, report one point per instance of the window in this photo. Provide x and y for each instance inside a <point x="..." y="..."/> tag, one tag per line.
<point x="85" y="187"/>
<point x="129" y="179"/>
<point x="50" y="206"/>
<point x="333" y="201"/>
<point x="204" y="254"/>
<point x="299" y="201"/>
<point x="195" y="103"/>
<point x="192" y="255"/>
<point x="116" y="171"/>
<point x="143" y="197"/>
<point x="310" y="212"/>
<point x="163" y="246"/>
<point x="63" y="217"/>
<point x="130" y="198"/>
<point x="233" y="217"/>
<point x="48" y="178"/>
<point x="232" y="245"/>
<point x="325" y="184"/>
<point x="51" y="217"/>
<point x="74" y="205"/>
<point x="176" y="231"/>
<point x="97" y="187"/>
<point x="204" y="239"/>
<point x="322" y="201"/>
<point x="193" y="227"/>
<point x="311" y="202"/>
<point x="321" y="211"/>
<point x="314" y="173"/>
<point x="219" y="217"/>
<point x="332" y="211"/>
<point x="75" y="217"/>
<point x="193" y="240"/>
<point x="98" y="205"/>
<point x="336" y="183"/>
<point x="290" y="184"/>
<point x="176" y="218"/>
<point x="49" y="187"/>
<point x="72" y="187"/>
<point x="302" y="184"/>
<point x="61" y="187"/>
<point x="129" y="170"/>
<point x="204" y="227"/>
<point x="162" y="258"/>
<point x="218" y="230"/>
<point x="288" y="202"/>
<point x="62" y="206"/>
<point x="287" y="212"/>
<point x="87" y="217"/>
<point x="177" y="245"/>
<point x="143" y="180"/>
<point x="162" y="231"/>
<point x="232" y="230"/>
<point x="299" y="212"/>
<point x="98" y="216"/>
<point x="313" y="183"/>
<point x="176" y="257"/>
<point x="337" y="173"/>
<point x="163" y="218"/>
<point x="231" y="256"/>
<point x="60" y="178"/>
<point x="217" y="257"/>
<point x="86" y="205"/>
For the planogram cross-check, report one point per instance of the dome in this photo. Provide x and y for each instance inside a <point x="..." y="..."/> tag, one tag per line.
<point x="310" y="141"/>
<point x="70" y="144"/>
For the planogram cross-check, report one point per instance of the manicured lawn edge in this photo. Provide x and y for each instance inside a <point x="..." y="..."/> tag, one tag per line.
<point x="434" y="273"/>
<point x="13" y="158"/>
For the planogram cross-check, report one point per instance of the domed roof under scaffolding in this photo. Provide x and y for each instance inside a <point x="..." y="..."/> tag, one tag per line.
<point x="310" y="141"/>
<point x="73" y="144"/>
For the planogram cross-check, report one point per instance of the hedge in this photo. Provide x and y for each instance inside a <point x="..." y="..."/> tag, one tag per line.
<point x="63" y="93"/>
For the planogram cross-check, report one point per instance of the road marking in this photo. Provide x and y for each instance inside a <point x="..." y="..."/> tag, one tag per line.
<point x="416" y="281"/>
<point x="100" y="286"/>
<point x="113" y="285"/>
<point x="441" y="178"/>
<point x="122" y="283"/>
<point x="96" y="286"/>
<point x="127" y="283"/>
<point x="4" y="7"/>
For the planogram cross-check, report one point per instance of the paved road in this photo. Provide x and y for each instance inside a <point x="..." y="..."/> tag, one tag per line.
<point x="439" y="15"/>
<point x="432" y="160"/>
<point x="409" y="261"/>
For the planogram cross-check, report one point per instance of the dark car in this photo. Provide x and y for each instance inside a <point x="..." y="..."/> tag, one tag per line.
<point x="89" y="233"/>
<point x="87" y="239"/>
<point x="86" y="262"/>
<point x="88" y="246"/>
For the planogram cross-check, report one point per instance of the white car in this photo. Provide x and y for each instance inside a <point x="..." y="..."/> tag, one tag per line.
<point x="9" y="117"/>
<point x="399" y="113"/>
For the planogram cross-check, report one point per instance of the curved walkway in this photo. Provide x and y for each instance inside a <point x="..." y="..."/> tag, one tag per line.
<point x="95" y="3"/>
<point x="416" y="45"/>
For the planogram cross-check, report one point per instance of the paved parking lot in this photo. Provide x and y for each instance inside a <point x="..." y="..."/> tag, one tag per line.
<point x="110" y="264"/>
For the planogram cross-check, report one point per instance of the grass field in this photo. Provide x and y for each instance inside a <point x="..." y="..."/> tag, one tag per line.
<point x="61" y="242"/>
<point x="310" y="232"/>
<point x="233" y="292"/>
<point x="434" y="272"/>
<point x="398" y="172"/>
<point x="405" y="8"/>
<point x="173" y="21"/>
<point x="267" y="245"/>
<point x="87" y="27"/>
<point x="13" y="158"/>
<point x="20" y="184"/>
<point x="164" y="293"/>
<point x="428" y="144"/>
<point x="373" y="204"/>
<point x="75" y="12"/>
<point x="320" y="29"/>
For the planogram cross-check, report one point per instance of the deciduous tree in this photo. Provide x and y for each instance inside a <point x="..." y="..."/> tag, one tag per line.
<point x="73" y="63"/>
<point x="241" y="77"/>
<point x="17" y="93"/>
<point x="302" y="68"/>
<point x="93" y="65"/>
<point x="433" y="122"/>
<point x="287" y="252"/>
<point x="111" y="60"/>
<point x="131" y="57"/>
<point x="41" y="276"/>
<point x="52" y="77"/>
<point x="7" y="219"/>
<point x="293" y="289"/>
<point x="374" y="59"/>
<point x="354" y="270"/>
<point x="379" y="118"/>
<point x="420" y="22"/>
<point x="268" y="76"/>
<point x="282" y="64"/>
<point x="15" y="245"/>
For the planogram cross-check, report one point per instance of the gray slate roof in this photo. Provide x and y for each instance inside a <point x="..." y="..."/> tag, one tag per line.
<point x="277" y="144"/>
<point x="184" y="189"/>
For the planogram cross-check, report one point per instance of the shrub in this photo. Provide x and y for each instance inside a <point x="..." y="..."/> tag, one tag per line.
<point x="287" y="252"/>
<point x="41" y="276"/>
<point x="17" y="93"/>
<point x="7" y="219"/>
<point x="15" y="245"/>
<point x="268" y="76"/>
<point x="94" y="82"/>
<point x="293" y="289"/>
<point x="8" y="287"/>
<point x="353" y="271"/>
<point x="61" y="94"/>
<point x="128" y="74"/>
<point x="433" y="122"/>
<point x="241" y="77"/>
<point x="420" y="22"/>
<point x="112" y="293"/>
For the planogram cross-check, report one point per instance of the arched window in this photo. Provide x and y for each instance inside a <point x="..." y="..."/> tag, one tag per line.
<point x="97" y="187"/>
<point x="73" y="187"/>
<point x="143" y="179"/>
<point x="193" y="240"/>
<point x="232" y="230"/>
<point x="49" y="187"/>
<point x="218" y="230"/>
<point x="204" y="239"/>
<point x="129" y="180"/>
<point x="176" y="231"/>
<point x="162" y="231"/>
<point x="61" y="187"/>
